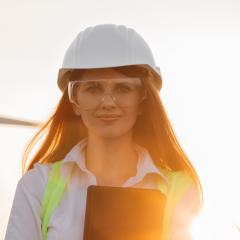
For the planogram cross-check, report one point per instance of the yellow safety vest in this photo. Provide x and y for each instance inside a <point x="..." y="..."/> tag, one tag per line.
<point x="178" y="183"/>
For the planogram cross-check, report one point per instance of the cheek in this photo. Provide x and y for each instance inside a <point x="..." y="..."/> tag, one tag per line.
<point x="128" y="121"/>
<point x="88" y="120"/>
<point x="131" y="117"/>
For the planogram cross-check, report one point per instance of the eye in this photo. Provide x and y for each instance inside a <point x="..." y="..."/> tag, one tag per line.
<point x="93" y="87"/>
<point x="124" y="89"/>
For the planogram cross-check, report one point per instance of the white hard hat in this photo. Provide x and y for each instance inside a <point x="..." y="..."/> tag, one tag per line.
<point x="107" y="45"/>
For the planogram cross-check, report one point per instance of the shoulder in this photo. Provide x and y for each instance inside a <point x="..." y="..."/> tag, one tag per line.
<point x="33" y="182"/>
<point x="185" y="193"/>
<point x="177" y="182"/>
<point x="189" y="200"/>
<point x="186" y="204"/>
<point x="24" y="220"/>
<point x="39" y="172"/>
<point x="182" y="190"/>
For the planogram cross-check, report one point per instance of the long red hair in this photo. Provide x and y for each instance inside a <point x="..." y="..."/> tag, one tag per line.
<point x="152" y="130"/>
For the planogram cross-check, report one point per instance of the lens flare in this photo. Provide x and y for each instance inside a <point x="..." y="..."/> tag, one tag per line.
<point x="209" y="225"/>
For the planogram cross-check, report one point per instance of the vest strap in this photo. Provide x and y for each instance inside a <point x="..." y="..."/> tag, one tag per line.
<point x="178" y="183"/>
<point x="53" y="193"/>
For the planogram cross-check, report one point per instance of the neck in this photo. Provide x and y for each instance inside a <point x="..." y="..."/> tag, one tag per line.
<point x="111" y="160"/>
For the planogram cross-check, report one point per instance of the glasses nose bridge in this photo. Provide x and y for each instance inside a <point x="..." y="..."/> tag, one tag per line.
<point x="108" y="91"/>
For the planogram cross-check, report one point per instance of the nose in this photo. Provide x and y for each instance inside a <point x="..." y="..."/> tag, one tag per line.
<point x="108" y="101"/>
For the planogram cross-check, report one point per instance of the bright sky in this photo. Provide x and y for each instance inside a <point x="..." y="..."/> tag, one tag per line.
<point x="196" y="46"/>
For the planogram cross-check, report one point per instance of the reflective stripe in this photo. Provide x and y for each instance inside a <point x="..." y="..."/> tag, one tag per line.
<point x="178" y="183"/>
<point x="54" y="190"/>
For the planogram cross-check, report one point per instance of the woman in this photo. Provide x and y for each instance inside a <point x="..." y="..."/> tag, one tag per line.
<point x="109" y="128"/>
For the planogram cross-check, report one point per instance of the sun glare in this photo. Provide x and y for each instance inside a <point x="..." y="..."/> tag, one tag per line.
<point x="208" y="226"/>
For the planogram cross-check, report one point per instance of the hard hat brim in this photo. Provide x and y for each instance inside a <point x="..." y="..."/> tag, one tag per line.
<point x="64" y="74"/>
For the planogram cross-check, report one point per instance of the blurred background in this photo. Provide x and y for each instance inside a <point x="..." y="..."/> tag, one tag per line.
<point x="196" y="46"/>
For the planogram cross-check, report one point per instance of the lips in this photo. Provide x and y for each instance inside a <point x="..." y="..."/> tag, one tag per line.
<point x="109" y="117"/>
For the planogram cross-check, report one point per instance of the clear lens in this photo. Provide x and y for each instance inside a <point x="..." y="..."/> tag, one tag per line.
<point x="87" y="94"/>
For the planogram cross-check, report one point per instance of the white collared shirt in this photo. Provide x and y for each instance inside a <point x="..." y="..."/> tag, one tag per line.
<point x="67" y="221"/>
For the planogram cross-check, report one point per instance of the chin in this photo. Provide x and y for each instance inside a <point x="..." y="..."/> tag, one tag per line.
<point x="110" y="131"/>
<point x="111" y="135"/>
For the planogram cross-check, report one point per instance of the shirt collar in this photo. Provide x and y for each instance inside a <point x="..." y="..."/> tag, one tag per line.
<point x="145" y="163"/>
